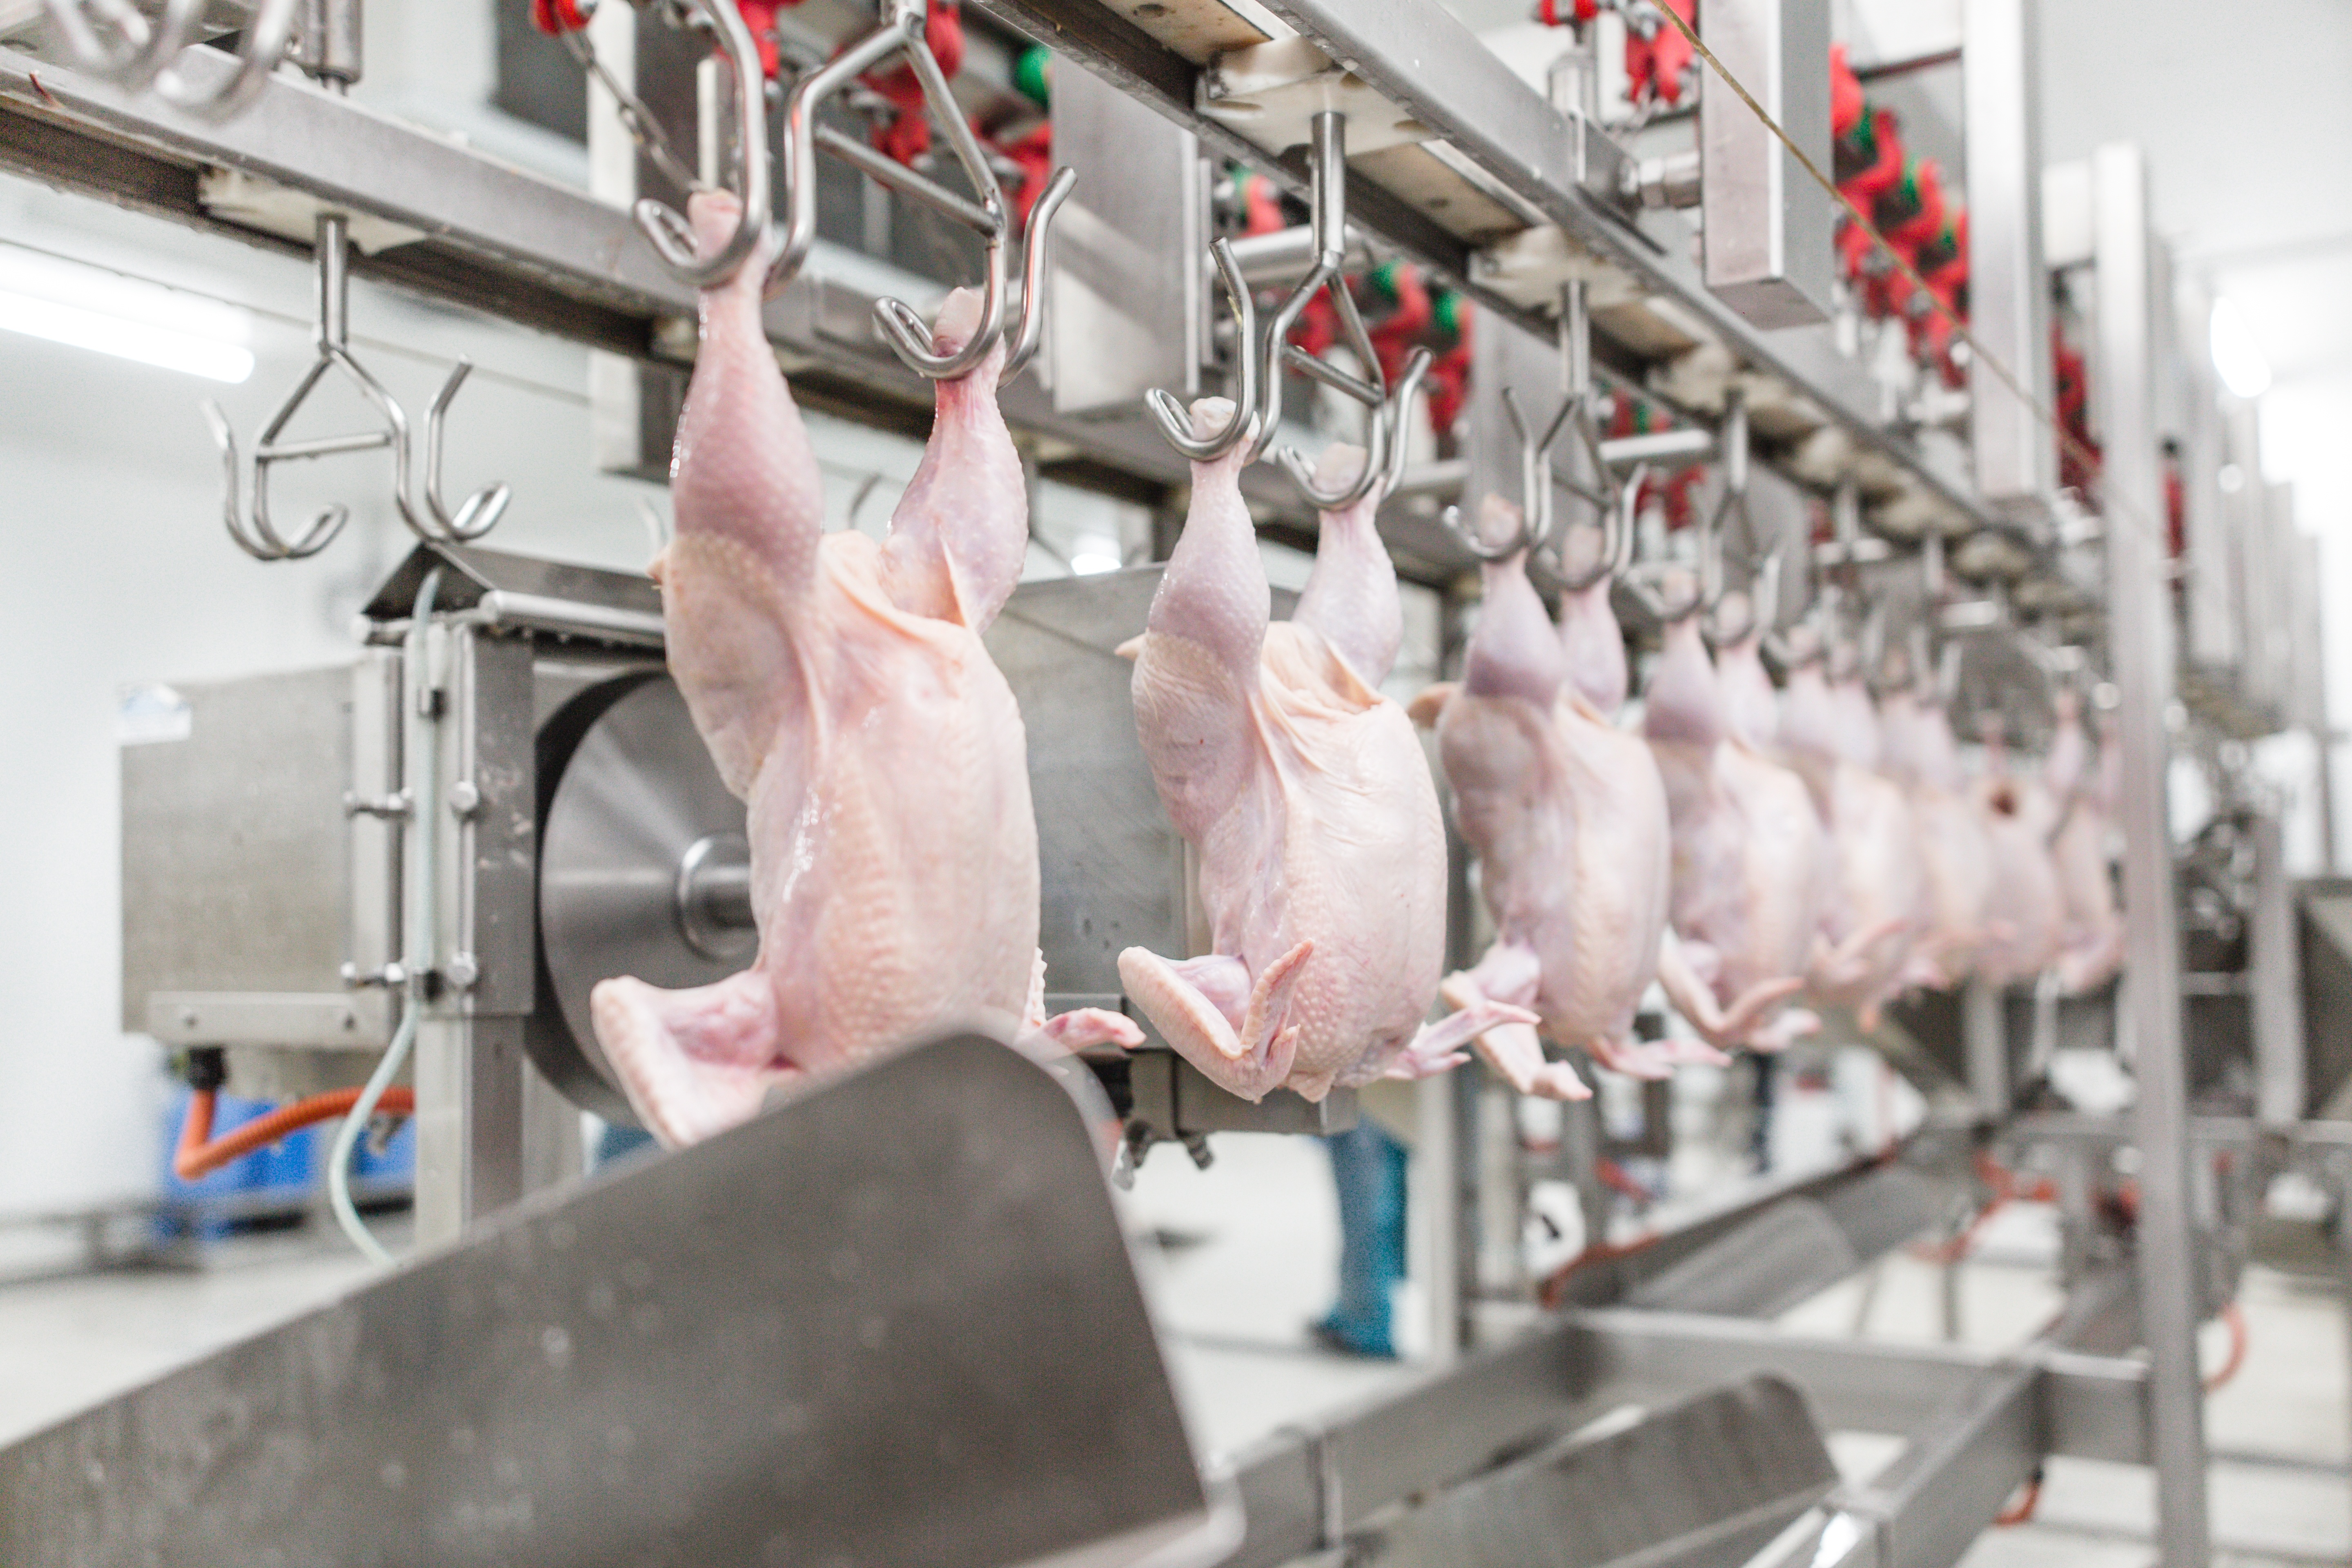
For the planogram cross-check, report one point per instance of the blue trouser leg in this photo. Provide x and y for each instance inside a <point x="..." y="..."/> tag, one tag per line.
<point x="1368" y="1166"/>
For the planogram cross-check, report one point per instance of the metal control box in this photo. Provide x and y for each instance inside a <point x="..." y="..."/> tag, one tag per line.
<point x="247" y="888"/>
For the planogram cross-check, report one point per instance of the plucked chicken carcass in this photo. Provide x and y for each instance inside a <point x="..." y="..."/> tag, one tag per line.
<point x="1568" y="817"/>
<point x="1877" y="895"/>
<point x="1955" y="852"/>
<point x="2091" y="935"/>
<point x="1308" y="799"/>
<point x="2027" y="907"/>
<point x="844" y="692"/>
<point x="1746" y="859"/>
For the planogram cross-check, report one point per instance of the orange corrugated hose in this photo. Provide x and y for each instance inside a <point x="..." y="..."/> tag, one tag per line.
<point x="200" y="1154"/>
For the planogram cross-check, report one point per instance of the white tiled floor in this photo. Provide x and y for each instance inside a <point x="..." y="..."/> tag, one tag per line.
<point x="1243" y="1257"/>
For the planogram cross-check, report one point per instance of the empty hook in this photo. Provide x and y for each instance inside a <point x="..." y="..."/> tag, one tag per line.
<point x="481" y="510"/>
<point x="253" y="530"/>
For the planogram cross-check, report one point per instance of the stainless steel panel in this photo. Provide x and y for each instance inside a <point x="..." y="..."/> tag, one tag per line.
<point x="1764" y="226"/>
<point x="2140" y="640"/>
<point x="238" y="869"/>
<point x="2008" y="281"/>
<point x="798" y="1341"/>
<point x="1128" y="282"/>
<point x="1707" y="1481"/>
<point x="1113" y="866"/>
<point x="488" y="837"/>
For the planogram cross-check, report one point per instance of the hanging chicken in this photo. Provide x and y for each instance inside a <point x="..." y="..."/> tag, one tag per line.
<point x="844" y="694"/>
<point x="2091" y="932"/>
<point x="1954" y="848"/>
<point x="1747" y="857"/>
<point x="2023" y="917"/>
<point x="1308" y="799"/>
<point x="1877" y="896"/>
<point x="1569" y="819"/>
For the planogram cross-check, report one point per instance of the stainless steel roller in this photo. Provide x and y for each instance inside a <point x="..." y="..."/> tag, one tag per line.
<point x="643" y="870"/>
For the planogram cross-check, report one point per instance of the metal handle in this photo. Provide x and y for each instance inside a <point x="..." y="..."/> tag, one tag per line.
<point x="665" y="227"/>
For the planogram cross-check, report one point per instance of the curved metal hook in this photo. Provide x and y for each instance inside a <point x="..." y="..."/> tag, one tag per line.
<point x="898" y="324"/>
<point x="1398" y="411"/>
<point x="1175" y="423"/>
<point x="665" y="227"/>
<point x="256" y="535"/>
<point x="266" y="37"/>
<point x="1475" y="543"/>
<point x="482" y="509"/>
<point x="1375" y="470"/>
<point x="1037" y="239"/>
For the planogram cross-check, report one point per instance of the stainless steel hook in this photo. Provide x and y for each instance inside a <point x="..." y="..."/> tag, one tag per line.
<point x="898" y="325"/>
<point x="1036" y="243"/>
<point x="257" y="535"/>
<point x="142" y="55"/>
<point x="1328" y="170"/>
<point x="665" y="227"/>
<point x="1398" y="411"/>
<point x="1174" y="422"/>
<point x="482" y="509"/>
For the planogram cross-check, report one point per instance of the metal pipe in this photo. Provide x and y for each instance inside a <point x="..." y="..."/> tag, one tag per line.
<point x="2140" y="611"/>
<point x="1286" y="255"/>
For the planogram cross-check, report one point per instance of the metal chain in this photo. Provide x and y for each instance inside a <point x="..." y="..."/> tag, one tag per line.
<point x="636" y="118"/>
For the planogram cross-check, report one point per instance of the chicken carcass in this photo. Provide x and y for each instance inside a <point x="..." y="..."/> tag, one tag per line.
<point x="1309" y="801"/>
<point x="2027" y="907"/>
<point x="1568" y="817"/>
<point x="1955" y="852"/>
<point x="2091" y="935"/>
<point x="844" y="694"/>
<point x="1877" y="894"/>
<point x="1746" y="859"/>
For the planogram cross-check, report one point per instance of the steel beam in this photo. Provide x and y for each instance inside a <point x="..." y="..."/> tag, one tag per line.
<point x="2140" y="611"/>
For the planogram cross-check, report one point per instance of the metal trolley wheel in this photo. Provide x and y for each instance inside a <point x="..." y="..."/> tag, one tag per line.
<point x="643" y="870"/>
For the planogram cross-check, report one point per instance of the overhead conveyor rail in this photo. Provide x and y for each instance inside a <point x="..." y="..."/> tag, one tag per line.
<point x="1483" y="189"/>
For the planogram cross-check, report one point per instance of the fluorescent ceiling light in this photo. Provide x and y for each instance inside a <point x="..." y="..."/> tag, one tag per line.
<point x="63" y="301"/>
<point x="1093" y="555"/>
<point x="2236" y="355"/>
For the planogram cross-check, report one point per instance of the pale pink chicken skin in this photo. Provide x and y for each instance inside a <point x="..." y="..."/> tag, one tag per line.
<point x="1308" y="796"/>
<point x="2091" y="934"/>
<point x="1877" y="900"/>
<point x="2023" y="916"/>
<point x="1750" y="705"/>
<point x="846" y="696"/>
<point x="1955" y="846"/>
<point x="1569" y="819"/>
<point x="1746" y="859"/>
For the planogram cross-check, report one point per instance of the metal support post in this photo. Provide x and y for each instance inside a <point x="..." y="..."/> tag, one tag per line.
<point x="2276" y="967"/>
<point x="2140" y="632"/>
<point x="1984" y="1040"/>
